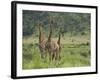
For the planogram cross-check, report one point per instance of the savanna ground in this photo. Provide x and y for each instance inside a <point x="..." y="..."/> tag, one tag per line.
<point x="75" y="53"/>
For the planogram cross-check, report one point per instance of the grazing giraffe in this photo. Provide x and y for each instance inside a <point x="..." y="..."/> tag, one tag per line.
<point x="42" y="42"/>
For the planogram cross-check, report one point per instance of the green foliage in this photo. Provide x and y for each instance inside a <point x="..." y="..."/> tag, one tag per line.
<point x="75" y="23"/>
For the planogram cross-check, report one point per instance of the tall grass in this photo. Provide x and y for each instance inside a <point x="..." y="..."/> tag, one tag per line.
<point x="74" y="53"/>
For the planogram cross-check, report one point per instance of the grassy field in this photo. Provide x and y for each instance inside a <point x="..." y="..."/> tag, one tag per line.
<point x="75" y="53"/>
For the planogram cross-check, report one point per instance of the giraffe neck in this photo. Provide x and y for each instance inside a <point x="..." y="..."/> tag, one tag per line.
<point x="50" y="34"/>
<point x="41" y="35"/>
<point x="59" y="39"/>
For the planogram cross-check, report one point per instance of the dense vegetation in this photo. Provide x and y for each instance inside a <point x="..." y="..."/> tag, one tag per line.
<point x="75" y="38"/>
<point x="74" y="23"/>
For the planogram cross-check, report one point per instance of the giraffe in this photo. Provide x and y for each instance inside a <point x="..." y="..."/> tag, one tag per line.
<point x="53" y="47"/>
<point x="42" y="42"/>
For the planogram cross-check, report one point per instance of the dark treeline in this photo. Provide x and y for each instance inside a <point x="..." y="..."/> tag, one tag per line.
<point x="73" y="23"/>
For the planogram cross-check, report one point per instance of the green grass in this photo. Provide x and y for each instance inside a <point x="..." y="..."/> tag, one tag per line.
<point x="75" y="53"/>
